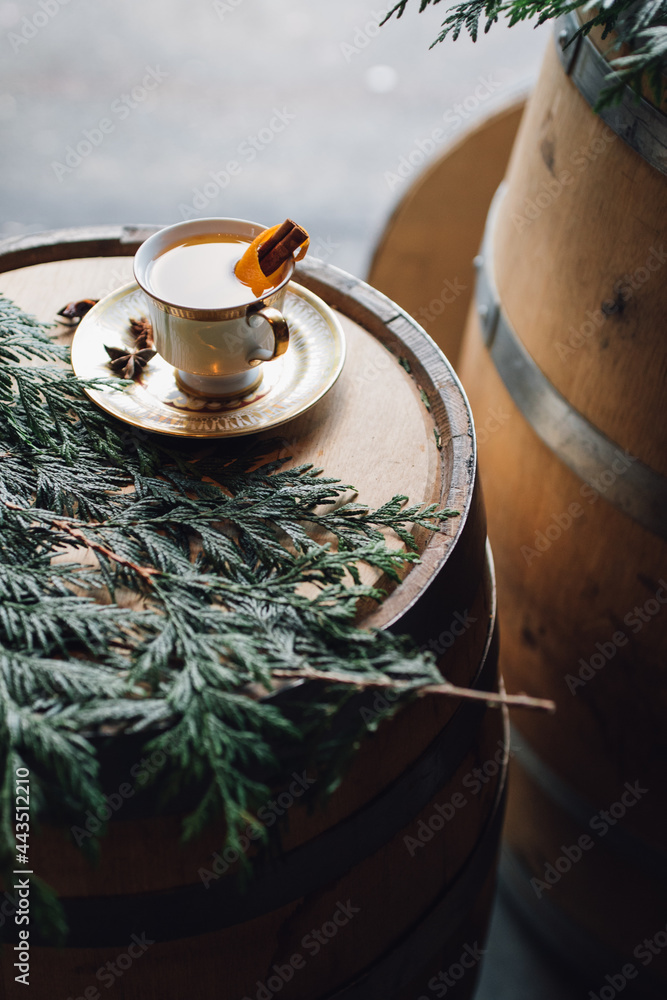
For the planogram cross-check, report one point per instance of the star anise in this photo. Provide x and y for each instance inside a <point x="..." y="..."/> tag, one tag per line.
<point x="129" y="364"/>
<point x="74" y="311"/>
<point x="142" y="331"/>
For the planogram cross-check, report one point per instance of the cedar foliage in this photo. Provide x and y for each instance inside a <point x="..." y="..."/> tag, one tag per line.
<point x="193" y="598"/>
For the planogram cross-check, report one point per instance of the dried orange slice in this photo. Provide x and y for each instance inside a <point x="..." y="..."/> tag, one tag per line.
<point x="249" y="269"/>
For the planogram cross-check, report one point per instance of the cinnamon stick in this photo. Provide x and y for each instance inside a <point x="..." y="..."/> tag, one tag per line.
<point x="272" y="241"/>
<point x="280" y="247"/>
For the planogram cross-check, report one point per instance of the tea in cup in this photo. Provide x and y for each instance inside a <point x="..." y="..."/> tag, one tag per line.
<point x="207" y="323"/>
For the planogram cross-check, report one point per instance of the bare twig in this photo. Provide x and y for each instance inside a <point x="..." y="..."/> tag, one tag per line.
<point x="450" y="690"/>
<point x="145" y="572"/>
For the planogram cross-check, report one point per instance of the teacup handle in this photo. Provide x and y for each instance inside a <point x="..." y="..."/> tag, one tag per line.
<point x="280" y="331"/>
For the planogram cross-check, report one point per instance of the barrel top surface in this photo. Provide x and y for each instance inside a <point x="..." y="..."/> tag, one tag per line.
<point x="380" y="429"/>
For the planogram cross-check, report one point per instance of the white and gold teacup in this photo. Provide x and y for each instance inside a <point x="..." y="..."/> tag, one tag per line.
<point x="216" y="348"/>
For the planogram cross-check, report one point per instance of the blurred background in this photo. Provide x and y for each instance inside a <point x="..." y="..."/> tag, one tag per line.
<point x="154" y="112"/>
<point x="116" y="112"/>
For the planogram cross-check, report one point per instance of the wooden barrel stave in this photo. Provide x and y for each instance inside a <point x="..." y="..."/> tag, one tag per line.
<point x="603" y="225"/>
<point x="383" y="884"/>
<point x="145" y="855"/>
<point x="466" y="943"/>
<point x="617" y="884"/>
<point x="613" y="720"/>
<point x="572" y="566"/>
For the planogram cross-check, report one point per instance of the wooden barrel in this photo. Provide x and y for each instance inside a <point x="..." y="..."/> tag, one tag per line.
<point x="387" y="888"/>
<point x="423" y="259"/>
<point x="564" y="361"/>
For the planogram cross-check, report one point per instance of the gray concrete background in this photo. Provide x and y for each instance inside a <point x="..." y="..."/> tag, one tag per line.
<point x="361" y="99"/>
<point x="132" y="112"/>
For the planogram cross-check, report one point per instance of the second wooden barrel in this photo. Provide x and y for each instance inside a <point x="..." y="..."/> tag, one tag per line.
<point x="423" y="258"/>
<point x="566" y="348"/>
<point x="385" y="891"/>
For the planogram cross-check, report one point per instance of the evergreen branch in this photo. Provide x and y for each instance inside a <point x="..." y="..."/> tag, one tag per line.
<point x="30" y="677"/>
<point x="144" y="572"/>
<point x="647" y="62"/>
<point x="209" y="581"/>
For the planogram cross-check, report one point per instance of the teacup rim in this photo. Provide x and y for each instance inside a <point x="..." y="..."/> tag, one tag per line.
<point x="194" y="227"/>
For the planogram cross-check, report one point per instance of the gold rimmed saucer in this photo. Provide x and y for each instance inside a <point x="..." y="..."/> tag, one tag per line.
<point x="290" y="384"/>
